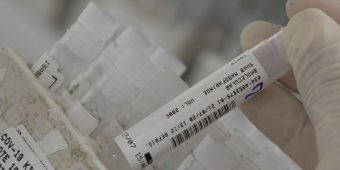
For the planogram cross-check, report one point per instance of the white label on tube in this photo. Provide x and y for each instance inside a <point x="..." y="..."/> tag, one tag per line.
<point x="46" y="71"/>
<point x="45" y="62"/>
<point x="192" y="111"/>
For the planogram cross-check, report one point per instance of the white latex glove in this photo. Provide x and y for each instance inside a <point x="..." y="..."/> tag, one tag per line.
<point x="312" y="41"/>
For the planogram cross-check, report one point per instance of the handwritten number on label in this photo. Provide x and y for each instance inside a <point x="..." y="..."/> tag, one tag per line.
<point x="54" y="81"/>
<point x="258" y="87"/>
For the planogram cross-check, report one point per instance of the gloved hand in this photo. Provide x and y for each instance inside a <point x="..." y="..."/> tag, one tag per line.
<point x="310" y="132"/>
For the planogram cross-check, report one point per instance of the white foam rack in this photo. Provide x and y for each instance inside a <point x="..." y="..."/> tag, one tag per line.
<point x="101" y="78"/>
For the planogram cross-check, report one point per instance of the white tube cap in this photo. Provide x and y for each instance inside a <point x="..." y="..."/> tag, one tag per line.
<point x="131" y="38"/>
<point x="98" y="22"/>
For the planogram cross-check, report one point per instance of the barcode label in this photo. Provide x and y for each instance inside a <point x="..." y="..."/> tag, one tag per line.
<point x="209" y="100"/>
<point x="197" y="127"/>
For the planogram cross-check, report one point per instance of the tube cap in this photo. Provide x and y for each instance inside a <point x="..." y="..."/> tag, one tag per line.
<point x="98" y="22"/>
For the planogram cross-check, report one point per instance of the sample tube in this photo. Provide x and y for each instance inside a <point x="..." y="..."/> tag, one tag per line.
<point x="204" y="103"/>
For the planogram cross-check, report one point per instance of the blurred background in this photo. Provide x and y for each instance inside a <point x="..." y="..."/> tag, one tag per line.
<point x="204" y="34"/>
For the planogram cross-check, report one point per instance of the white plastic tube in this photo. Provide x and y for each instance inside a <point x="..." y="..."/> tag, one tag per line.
<point x="204" y="103"/>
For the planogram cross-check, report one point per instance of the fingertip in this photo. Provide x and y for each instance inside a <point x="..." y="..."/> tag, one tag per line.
<point x="330" y="7"/>
<point x="309" y="30"/>
<point x="256" y="32"/>
<point x="310" y="14"/>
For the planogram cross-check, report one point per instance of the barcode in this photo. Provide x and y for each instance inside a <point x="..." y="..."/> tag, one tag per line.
<point x="195" y="128"/>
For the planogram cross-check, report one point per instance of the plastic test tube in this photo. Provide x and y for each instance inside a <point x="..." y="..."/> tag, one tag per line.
<point x="204" y="103"/>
